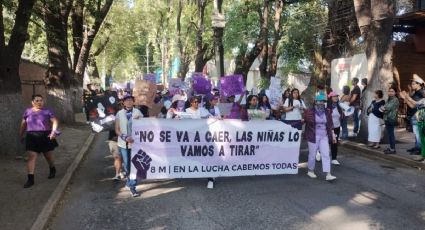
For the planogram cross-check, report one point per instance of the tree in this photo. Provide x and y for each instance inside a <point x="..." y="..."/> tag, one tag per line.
<point x="204" y="50"/>
<point x="10" y="53"/>
<point x="12" y="44"/>
<point x="375" y="19"/>
<point x="55" y="15"/>
<point x="99" y="13"/>
<point x="245" y="59"/>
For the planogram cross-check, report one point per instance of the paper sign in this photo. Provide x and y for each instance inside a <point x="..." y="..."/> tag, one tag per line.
<point x="201" y="85"/>
<point x="144" y="93"/>
<point x="175" y="86"/>
<point x="232" y="85"/>
<point x="150" y="77"/>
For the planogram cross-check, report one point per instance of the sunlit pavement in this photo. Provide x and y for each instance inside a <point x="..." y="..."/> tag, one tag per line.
<point x="367" y="195"/>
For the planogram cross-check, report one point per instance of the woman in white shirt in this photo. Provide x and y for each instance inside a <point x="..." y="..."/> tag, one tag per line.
<point x="337" y="116"/>
<point x="195" y="111"/>
<point x="199" y="113"/>
<point x="294" y="107"/>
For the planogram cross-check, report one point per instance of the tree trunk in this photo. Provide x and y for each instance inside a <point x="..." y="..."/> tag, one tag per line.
<point x="201" y="48"/>
<point x="59" y="74"/>
<point x="244" y="63"/>
<point x="77" y="30"/>
<point x="89" y="37"/>
<point x="277" y="35"/>
<point x="379" y="52"/>
<point x="10" y="84"/>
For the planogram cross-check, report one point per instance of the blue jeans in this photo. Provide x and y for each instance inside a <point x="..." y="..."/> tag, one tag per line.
<point x="415" y="129"/>
<point x="391" y="136"/>
<point x="356" y="120"/>
<point x="126" y="155"/>
<point x="344" y="128"/>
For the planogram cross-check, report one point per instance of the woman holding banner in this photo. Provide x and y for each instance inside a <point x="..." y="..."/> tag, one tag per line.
<point x="196" y="111"/>
<point x="211" y="106"/>
<point x="199" y="113"/>
<point x="293" y="107"/>
<point x="318" y="132"/>
<point x="264" y="105"/>
<point x="123" y="123"/>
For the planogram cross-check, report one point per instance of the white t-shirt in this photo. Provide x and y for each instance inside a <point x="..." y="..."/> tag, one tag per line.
<point x="216" y="112"/>
<point x="199" y="113"/>
<point x="336" y="118"/>
<point x="295" y="114"/>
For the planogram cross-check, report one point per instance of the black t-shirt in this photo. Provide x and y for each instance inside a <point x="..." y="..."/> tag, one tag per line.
<point x="375" y="108"/>
<point x="356" y="90"/>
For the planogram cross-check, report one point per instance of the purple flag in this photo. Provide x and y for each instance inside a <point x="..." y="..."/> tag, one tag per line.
<point x="231" y="85"/>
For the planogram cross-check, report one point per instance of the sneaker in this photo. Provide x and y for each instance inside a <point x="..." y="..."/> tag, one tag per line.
<point x="335" y="162"/>
<point x="210" y="184"/>
<point x="318" y="157"/>
<point x="134" y="193"/>
<point x="329" y="177"/>
<point x="116" y="178"/>
<point x="312" y="175"/>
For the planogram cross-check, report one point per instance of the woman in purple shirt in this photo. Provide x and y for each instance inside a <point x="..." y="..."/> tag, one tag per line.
<point x="40" y="126"/>
<point x="318" y="132"/>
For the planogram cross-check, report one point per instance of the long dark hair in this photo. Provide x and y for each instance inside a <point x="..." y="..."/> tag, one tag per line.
<point x="248" y="100"/>
<point x="288" y="90"/>
<point x="291" y="98"/>
<point x="261" y="103"/>
<point x="346" y="90"/>
<point x="330" y="106"/>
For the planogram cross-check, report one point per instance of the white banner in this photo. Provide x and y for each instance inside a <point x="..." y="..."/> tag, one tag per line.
<point x="212" y="148"/>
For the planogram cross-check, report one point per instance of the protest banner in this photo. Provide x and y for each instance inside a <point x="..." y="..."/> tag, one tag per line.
<point x="150" y="77"/>
<point x="231" y="85"/>
<point x="212" y="148"/>
<point x="144" y="93"/>
<point x="201" y="85"/>
<point x="275" y="93"/>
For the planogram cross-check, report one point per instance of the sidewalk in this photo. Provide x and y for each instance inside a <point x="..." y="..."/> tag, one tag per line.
<point x="20" y="207"/>
<point x="405" y="140"/>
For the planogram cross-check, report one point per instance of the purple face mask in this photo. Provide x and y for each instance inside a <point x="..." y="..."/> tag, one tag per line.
<point x="180" y="106"/>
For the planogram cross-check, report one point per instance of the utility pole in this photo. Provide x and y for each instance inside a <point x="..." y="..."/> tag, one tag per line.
<point x="147" y="58"/>
<point x="218" y="24"/>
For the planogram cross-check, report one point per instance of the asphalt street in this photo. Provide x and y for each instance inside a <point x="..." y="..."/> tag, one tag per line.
<point x="368" y="194"/>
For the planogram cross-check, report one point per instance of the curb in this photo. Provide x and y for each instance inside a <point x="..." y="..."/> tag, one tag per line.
<point x="366" y="152"/>
<point x="44" y="216"/>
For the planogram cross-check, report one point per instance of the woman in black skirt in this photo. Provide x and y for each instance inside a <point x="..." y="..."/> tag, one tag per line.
<point x="40" y="126"/>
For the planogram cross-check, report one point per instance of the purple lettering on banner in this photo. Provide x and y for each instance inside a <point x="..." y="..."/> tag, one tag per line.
<point x="231" y="85"/>
<point x="201" y="85"/>
<point x="150" y="77"/>
<point x="175" y="86"/>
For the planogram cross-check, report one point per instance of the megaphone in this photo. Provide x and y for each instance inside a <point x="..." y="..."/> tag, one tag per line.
<point x="348" y="110"/>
